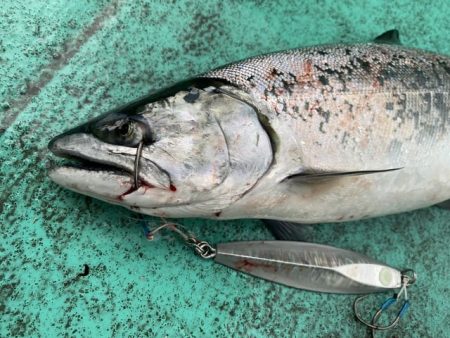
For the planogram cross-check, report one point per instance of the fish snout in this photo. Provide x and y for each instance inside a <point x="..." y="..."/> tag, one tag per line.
<point x="53" y="144"/>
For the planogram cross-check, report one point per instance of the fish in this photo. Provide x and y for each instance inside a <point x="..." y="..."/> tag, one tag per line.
<point x="328" y="133"/>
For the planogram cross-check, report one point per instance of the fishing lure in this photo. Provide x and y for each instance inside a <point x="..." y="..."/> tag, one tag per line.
<point x="308" y="266"/>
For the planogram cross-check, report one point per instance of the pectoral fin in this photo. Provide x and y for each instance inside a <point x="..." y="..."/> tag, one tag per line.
<point x="309" y="176"/>
<point x="289" y="231"/>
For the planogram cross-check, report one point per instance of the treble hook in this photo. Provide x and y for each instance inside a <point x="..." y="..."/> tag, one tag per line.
<point x="406" y="281"/>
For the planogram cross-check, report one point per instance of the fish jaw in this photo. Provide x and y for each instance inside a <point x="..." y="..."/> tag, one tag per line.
<point x="109" y="186"/>
<point x="85" y="147"/>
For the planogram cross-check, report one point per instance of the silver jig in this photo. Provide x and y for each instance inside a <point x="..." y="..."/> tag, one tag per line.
<point x="301" y="265"/>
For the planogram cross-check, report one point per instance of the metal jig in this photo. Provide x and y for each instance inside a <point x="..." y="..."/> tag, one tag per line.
<point x="408" y="278"/>
<point x="307" y="266"/>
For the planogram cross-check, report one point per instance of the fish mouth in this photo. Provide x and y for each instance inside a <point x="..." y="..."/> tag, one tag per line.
<point x="99" y="180"/>
<point x="83" y="163"/>
<point x="102" y="170"/>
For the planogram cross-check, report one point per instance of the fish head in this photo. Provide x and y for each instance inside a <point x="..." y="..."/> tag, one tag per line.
<point x="189" y="154"/>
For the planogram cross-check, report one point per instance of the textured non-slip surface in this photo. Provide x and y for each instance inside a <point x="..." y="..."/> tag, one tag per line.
<point x="64" y="62"/>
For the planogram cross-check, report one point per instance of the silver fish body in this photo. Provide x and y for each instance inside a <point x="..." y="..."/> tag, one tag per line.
<point x="321" y="134"/>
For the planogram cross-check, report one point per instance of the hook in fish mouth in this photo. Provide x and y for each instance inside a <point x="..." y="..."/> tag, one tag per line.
<point x="136" y="165"/>
<point x="105" y="171"/>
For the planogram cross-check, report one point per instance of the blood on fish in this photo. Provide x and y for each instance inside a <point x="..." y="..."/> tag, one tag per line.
<point x="129" y="191"/>
<point x="173" y="188"/>
<point x="144" y="184"/>
<point x="248" y="266"/>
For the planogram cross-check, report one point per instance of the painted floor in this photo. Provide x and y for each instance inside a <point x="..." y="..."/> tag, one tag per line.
<point x="64" y="62"/>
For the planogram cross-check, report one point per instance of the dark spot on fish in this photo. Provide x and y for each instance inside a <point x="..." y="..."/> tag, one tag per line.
<point x="251" y="77"/>
<point x="218" y="213"/>
<point x="389" y="106"/>
<point x="192" y="95"/>
<point x="286" y="85"/>
<point x="323" y="79"/>
<point x="350" y="106"/>
<point x="275" y="72"/>
<point x="321" y="127"/>
<point x="438" y="101"/>
<point x="437" y="72"/>
<point x="349" y="70"/>
<point x="443" y="109"/>
<point x="293" y="77"/>
<point x="348" y="51"/>
<point x="365" y="65"/>
<point x="344" y="138"/>
<point x="389" y="73"/>
<point x="173" y="188"/>
<point x="322" y="52"/>
<point x="380" y="80"/>
<point x="307" y="105"/>
<point x="427" y="99"/>
<point x="420" y="78"/>
<point x="266" y="93"/>
<point x="325" y="114"/>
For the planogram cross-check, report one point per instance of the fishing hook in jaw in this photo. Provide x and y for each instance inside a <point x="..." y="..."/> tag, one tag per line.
<point x="137" y="159"/>
<point x="202" y="248"/>
<point x="408" y="278"/>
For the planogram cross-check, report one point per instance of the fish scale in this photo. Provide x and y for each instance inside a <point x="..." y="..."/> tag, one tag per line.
<point x="340" y="84"/>
<point x="361" y="67"/>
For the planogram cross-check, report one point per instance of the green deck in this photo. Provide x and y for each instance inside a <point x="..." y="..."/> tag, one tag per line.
<point x="62" y="62"/>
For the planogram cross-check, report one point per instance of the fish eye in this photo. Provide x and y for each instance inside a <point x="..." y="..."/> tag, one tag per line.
<point x="125" y="131"/>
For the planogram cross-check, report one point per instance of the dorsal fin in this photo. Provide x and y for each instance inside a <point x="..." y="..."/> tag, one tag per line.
<point x="391" y="37"/>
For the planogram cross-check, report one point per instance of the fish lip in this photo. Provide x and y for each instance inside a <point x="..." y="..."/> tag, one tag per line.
<point x="86" y="163"/>
<point x="88" y="166"/>
<point x="69" y="176"/>
<point x="94" y="155"/>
